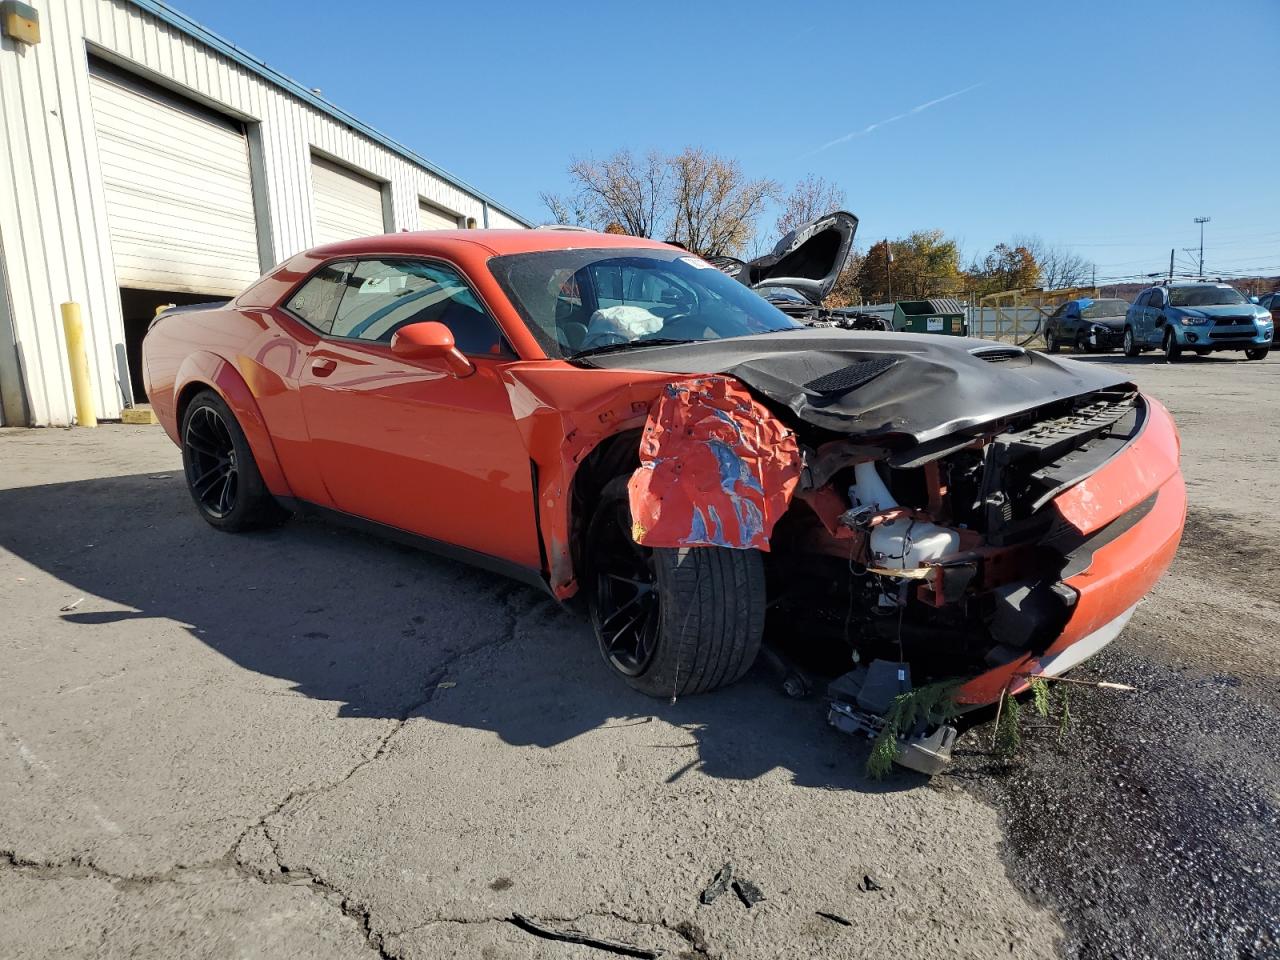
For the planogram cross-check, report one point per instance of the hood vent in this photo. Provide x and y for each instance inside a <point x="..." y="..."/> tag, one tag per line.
<point x="851" y="377"/>
<point x="999" y="354"/>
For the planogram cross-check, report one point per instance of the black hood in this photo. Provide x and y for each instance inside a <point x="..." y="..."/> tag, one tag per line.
<point x="808" y="260"/>
<point x="881" y="384"/>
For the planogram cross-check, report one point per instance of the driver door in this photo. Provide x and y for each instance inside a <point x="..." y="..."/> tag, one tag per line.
<point x="408" y="443"/>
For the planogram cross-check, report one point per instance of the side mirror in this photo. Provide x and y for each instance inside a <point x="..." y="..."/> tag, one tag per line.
<point x="431" y="341"/>
<point x="1253" y="299"/>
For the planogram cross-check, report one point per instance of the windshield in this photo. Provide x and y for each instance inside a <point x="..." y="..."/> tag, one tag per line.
<point x="1203" y="296"/>
<point x="1105" y="308"/>
<point x="580" y="301"/>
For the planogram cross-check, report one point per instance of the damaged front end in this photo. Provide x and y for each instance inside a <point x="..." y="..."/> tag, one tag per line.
<point x="918" y="535"/>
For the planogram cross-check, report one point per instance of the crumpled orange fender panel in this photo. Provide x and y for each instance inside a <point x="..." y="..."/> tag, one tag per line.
<point x="716" y="469"/>
<point x="563" y="414"/>
<point x="213" y="371"/>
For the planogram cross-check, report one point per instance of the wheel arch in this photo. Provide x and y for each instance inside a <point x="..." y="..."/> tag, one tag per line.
<point x="616" y="455"/>
<point x="207" y="371"/>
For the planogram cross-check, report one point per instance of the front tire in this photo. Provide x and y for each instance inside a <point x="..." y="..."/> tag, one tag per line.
<point x="1258" y="353"/>
<point x="1082" y="344"/>
<point x="670" y="621"/>
<point x="1052" y="343"/>
<point x="1130" y="343"/>
<point x="1172" y="350"/>
<point x="222" y="476"/>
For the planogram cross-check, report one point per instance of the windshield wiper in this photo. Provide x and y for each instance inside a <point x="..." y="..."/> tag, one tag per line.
<point x="629" y="345"/>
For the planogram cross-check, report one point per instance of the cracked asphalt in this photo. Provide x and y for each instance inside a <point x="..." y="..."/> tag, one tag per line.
<point x="311" y="743"/>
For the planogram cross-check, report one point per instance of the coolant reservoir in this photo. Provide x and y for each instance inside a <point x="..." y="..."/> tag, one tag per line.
<point x="905" y="543"/>
<point x="902" y="543"/>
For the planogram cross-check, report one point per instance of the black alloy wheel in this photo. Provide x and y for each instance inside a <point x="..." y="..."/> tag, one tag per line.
<point x="221" y="473"/>
<point x="626" y="608"/>
<point x="213" y="473"/>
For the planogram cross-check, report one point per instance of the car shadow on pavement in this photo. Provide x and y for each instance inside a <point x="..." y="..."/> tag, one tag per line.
<point x="384" y="630"/>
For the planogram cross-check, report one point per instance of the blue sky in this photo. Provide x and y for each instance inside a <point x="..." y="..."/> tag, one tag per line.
<point x="1105" y="126"/>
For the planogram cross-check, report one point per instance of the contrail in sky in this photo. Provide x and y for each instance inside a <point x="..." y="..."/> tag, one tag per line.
<point x="869" y="128"/>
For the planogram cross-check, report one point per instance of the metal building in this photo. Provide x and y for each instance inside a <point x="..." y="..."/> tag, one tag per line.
<point x="145" y="160"/>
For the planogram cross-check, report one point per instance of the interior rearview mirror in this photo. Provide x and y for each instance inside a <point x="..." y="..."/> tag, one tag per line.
<point x="431" y="341"/>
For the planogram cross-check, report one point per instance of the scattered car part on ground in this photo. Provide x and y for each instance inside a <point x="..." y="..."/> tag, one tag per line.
<point x="719" y="884"/>
<point x="1087" y="325"/>
<point x="613" y="417"/>
<point x="583" y="939"/>
<point x="1206" y="317"/>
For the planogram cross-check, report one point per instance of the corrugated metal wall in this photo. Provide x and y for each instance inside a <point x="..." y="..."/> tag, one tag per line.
<point x="53" y="220"/>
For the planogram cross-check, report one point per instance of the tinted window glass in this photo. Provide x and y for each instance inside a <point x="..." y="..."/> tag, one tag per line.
<point x="1157" y="298"/>
<point x="1105" y="308"/>
<point x="1204" y="296"/>
<point x="581" y="300"/>
<point x="317" y="299"/>
<point x="384" y="295"/>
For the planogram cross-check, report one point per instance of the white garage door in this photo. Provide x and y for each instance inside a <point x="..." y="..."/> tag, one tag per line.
<point x="433" y="218"/>
<point x="347" y="204"/>
<point x="179" y="197"/>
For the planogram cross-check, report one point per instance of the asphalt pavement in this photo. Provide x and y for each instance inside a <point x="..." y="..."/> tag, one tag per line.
<point x="309" y="742"/>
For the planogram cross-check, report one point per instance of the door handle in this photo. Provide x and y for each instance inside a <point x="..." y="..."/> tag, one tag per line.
<point x="323" y="366"/>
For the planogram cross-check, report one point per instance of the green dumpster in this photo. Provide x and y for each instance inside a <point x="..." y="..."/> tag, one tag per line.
<point x="929" y="316"/>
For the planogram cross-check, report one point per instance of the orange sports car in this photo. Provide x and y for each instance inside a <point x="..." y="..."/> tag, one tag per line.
<point x="615" y="418"/>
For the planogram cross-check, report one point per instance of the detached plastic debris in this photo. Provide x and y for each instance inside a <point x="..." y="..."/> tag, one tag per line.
<point x="586" y="940"/>
<point x="718" y="885"/>
<point x="747" y="892"/>
<point x="861" y="697"/>
<point x="867" y="885"/>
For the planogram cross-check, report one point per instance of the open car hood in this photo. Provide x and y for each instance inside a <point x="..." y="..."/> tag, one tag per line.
<point x="875" y="385"/>
<point x="809" y="259"/>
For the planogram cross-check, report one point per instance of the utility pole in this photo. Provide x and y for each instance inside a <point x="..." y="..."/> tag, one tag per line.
<point x="1170" y="264"/>
<point x="889" y="261"/>
<point x="1202" y="221"/>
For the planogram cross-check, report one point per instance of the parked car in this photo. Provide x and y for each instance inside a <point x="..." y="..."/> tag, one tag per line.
<point x="1271" y="303"/>
<point x="613" y="417"/>
<point x="1196" y="315"/>
<point x="1088" y="325"/>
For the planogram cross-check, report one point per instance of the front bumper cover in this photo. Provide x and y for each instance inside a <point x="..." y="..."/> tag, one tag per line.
<point x="1120" y="573"/>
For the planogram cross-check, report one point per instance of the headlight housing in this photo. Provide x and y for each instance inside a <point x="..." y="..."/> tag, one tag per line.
<point x="1193" y="320"/>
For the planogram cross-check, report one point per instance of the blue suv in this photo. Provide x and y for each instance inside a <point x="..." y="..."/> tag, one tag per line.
<point x="1198" y="315"/>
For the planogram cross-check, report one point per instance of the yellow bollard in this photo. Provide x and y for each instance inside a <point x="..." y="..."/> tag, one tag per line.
<point x="79" y="363"/>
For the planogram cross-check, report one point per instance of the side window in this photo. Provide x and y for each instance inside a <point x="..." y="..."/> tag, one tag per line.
<point x="1143" y="299"/>
<point x="1157" y="299"/>
<point x="317" y="300"/>
<point x="384" y="295"/>
<point x="1059" y="313"/>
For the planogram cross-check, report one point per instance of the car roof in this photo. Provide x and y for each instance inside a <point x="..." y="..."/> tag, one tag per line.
<point x="496" y="242"/>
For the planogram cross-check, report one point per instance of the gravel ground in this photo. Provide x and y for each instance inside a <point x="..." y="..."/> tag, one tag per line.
<point x="311" y="743"/>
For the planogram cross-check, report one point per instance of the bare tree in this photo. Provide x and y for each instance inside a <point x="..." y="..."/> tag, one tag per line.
<point x="1059" y="265"/>
<point x="811" y="198"/>
<point x="623" y="189"/>
<point x="715" y="205"/>
<point x="563" y="210"/>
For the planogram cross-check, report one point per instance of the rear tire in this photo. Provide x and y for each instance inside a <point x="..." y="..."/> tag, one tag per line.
<point x="1172" y="350"/>
<point x="1259" y="353"/>
<point x="670" y="621"/>
<point x="1052" y="343"/>
<point x="222" y="476"/>
<point x="1130" y="343"/>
